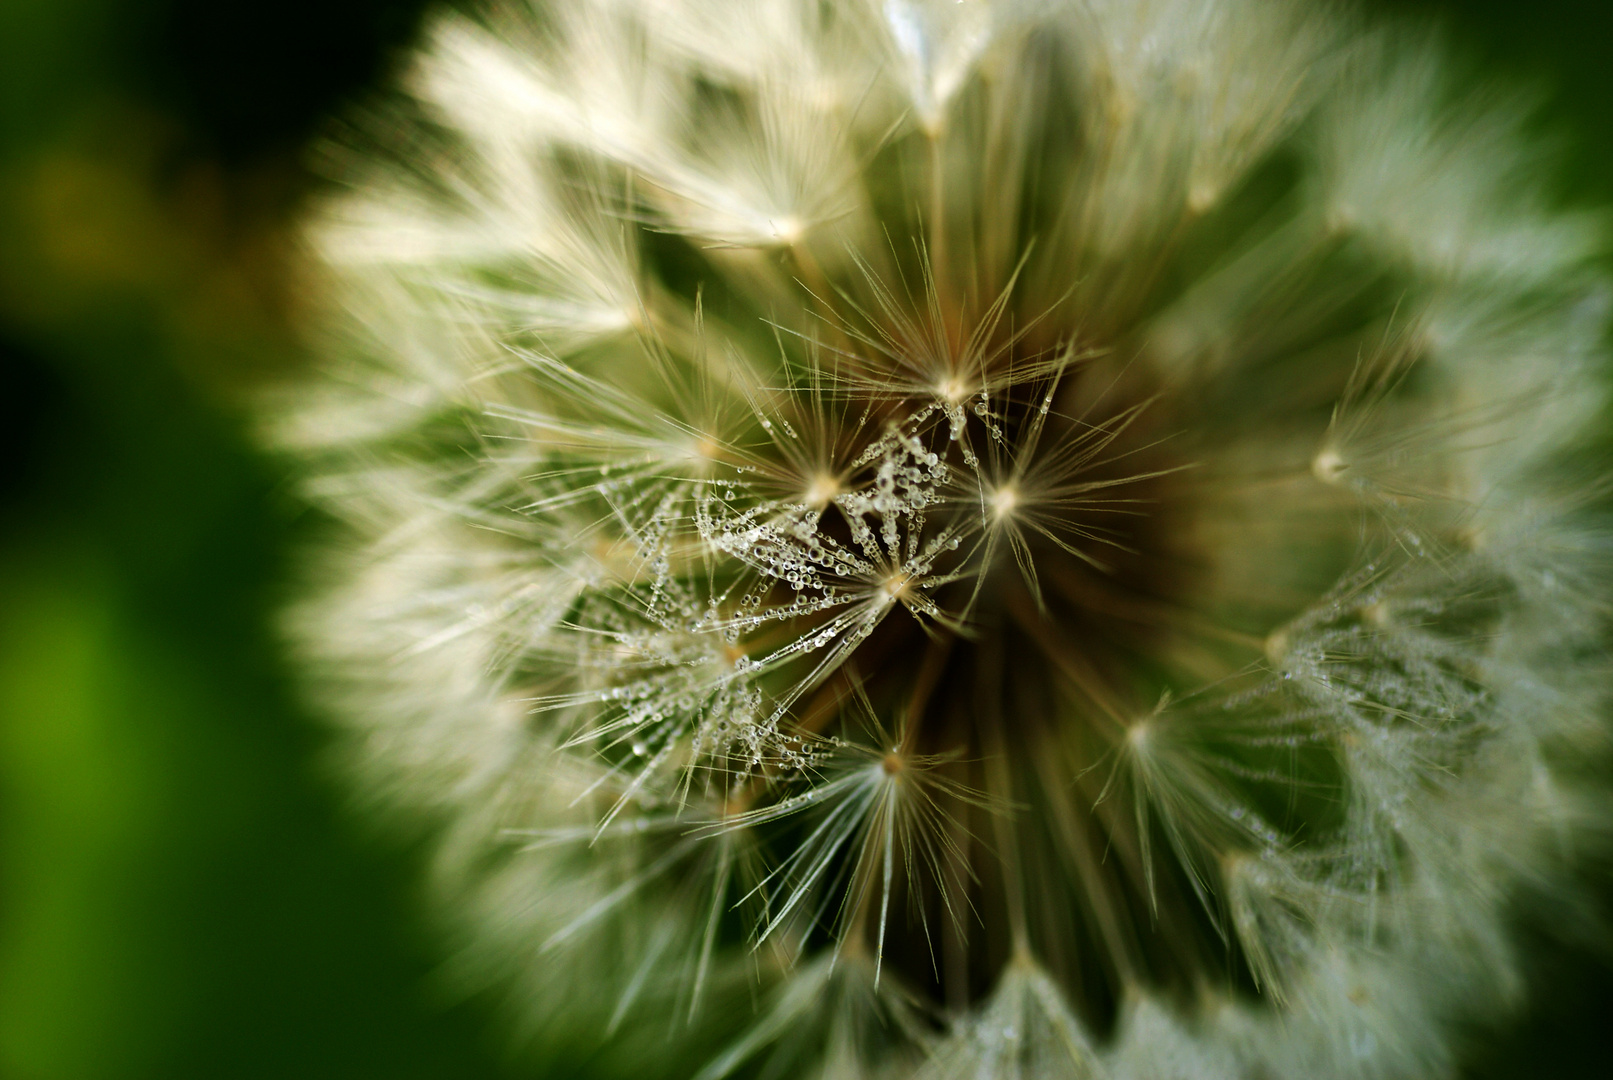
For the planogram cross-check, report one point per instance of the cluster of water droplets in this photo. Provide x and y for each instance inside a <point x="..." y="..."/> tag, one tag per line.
<point x="728" y="605"/>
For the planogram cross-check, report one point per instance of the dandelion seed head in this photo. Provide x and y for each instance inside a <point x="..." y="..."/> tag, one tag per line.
<point x="953" y="539"/>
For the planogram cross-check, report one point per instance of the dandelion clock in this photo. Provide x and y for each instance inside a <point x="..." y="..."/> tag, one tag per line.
<point x="960" y="539"/>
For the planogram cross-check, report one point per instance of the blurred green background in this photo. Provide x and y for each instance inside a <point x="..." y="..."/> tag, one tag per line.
<point x="181" y="892"/>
